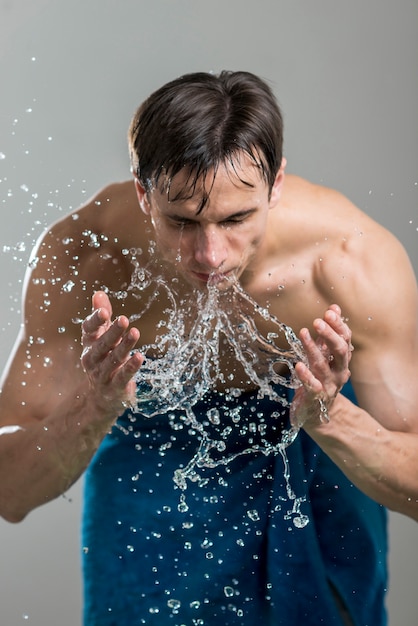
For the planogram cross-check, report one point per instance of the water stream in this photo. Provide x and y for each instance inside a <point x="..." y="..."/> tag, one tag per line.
<point x="184" y="364"/>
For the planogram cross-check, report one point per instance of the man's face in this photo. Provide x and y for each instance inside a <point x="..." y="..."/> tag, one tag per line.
<point x="221" y="241"/>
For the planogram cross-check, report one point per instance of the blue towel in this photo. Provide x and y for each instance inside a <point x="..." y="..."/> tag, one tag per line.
<point x="239" y="555"/>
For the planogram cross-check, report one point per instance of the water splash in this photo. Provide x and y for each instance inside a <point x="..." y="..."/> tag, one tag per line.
<point x="185" y="363"/>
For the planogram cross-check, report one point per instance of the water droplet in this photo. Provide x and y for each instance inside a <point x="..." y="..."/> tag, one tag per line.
<point x="301" y="521"/>
<point x="183" y="507"/>
<point x="213" y="416"/>
<point x="195" y="604"/>
<point x="174" y="604"/>
<point x="68" y="286"/>
<point x="187" y="525"/>
<point x="253" y="515"/>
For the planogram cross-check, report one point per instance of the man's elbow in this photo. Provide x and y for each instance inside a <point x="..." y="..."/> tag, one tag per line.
<point x="12" y="511"/>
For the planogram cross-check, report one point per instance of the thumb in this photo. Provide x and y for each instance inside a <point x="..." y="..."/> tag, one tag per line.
<point x="100" y="300"/>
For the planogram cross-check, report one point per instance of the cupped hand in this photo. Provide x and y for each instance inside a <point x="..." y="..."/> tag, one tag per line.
<point x="327" y="368"/>
<point x="107" y="356"/>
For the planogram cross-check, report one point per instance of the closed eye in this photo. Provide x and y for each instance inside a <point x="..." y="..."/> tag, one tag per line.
<point x="180" y="222"/>
<point x="233" y="220"/>
<point x="238" y="218"/>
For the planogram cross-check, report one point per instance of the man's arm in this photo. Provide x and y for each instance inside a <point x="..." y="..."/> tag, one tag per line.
<point x="55" y="408"/>
<point x="376" y="443"/>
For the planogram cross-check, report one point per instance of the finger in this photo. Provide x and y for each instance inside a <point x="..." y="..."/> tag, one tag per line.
<point x="317" y="361"/>
<point x="100" y="300"/>
<point x="328" y="365"/>
<point x="317" y="353"/>
<point x="335" y="339"/>
<point x="116" y="366"/>
<point x="101" y="314"/>
<point x="121" y="353"/>
<point x="125" y="372"/>
<point x="335" y="308"/>
<point x="100" y="339"/>
<point x="336" y="321"/>
<point x="308" y="380"/>
<point x="108" y="340"/>
<point x="97" y="321"/>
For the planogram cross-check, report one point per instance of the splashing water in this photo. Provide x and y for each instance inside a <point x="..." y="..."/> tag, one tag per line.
<point x="184" y="364"/>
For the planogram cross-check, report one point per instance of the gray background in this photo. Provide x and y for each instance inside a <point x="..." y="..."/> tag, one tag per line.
<point x="71" y="75"/>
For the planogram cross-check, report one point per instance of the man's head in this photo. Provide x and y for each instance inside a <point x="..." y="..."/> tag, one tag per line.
<point x="201" y="121"/>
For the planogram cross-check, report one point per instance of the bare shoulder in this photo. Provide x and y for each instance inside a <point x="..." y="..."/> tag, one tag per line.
<point x="339" y="230"/>
<point x="347" y="257"/>
<point x="107" y="213"/>
<point x="326" y="229"/>
<point x="86" y="251"/>
<point x="319" y="202"/>
<point x="357" y="262"/>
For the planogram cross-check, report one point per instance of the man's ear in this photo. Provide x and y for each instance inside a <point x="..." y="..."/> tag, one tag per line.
<point x="142" y="197"/>
<point x="276" y="190"/>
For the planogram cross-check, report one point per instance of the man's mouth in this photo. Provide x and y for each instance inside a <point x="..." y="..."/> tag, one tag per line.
<point x="213" y="278"/>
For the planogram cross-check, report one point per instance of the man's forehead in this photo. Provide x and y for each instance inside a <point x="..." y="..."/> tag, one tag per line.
<point x="242" y="173"/>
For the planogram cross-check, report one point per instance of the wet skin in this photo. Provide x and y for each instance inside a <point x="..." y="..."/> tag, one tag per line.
<point x="303" y="251"/>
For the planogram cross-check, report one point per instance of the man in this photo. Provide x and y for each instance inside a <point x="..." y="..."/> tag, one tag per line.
<point x="251" y="539"/>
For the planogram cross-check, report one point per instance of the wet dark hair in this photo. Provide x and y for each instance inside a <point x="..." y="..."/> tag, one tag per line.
<point x="200" y="121"/>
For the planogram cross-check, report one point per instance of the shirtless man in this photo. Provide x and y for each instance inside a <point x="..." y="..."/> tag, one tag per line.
<point x="209" y="187"/>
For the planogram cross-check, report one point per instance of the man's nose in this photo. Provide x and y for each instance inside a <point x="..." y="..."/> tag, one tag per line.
<point x="210" y="248"/>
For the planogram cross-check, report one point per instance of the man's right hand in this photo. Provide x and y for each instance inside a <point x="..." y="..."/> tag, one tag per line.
<point x="107" y="356"/>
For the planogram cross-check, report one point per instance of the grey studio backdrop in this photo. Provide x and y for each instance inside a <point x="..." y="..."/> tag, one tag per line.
<point x="71" y="75"/>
